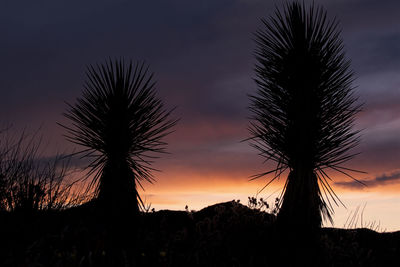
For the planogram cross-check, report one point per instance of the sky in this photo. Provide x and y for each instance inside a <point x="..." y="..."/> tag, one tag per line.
<point x="202" y="55"/>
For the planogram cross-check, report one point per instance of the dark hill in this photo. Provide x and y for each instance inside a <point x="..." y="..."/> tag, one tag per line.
<point x="225" y="234"/>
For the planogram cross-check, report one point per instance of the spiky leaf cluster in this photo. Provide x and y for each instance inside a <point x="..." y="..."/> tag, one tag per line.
<point x="119" y="118"/>
<point x="304" y="108"/>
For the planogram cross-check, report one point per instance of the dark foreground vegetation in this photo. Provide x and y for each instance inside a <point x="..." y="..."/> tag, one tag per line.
<point x="225" y="234"/>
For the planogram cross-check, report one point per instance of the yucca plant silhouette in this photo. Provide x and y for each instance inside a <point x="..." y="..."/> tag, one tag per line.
<point x="303" y="112"/>
<point x="122" y="123"/>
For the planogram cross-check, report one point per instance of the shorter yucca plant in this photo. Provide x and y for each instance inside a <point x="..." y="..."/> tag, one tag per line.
<point x="121" y="123"/>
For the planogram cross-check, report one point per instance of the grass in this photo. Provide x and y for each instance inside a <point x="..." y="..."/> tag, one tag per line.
<point x="355" y="220"/>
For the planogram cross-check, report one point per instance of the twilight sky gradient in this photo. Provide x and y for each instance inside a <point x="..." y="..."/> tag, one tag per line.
<point x="201" y="53"/>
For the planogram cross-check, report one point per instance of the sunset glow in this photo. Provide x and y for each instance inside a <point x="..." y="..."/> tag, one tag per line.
<point x="201" y="55"/>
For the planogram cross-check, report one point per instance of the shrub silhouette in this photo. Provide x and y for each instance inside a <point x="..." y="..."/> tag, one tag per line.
<point x="120" y="121"/>
<point x="29" y="182"/>
<point x="303" y="111"/>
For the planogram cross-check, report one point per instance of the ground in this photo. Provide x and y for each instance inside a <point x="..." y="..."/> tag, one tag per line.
<point x="224" y="234"/>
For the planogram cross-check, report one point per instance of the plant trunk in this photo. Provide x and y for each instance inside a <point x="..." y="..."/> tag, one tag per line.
<point x="117" y="192"/>
<point x="301" y="203"/>
<point x="118" y="205"/>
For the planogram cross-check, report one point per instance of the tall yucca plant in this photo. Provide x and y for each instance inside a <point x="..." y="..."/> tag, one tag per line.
<point x="122" y="123"/>
<point x="304" y="109"/>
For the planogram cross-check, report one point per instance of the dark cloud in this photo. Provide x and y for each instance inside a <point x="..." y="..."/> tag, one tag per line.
<point x="47" y="46"/>
<point x="201" y="53"/>
<point x="380" y="180"/>
<point x="394" y="176"/>
<point x="375" y="52"/>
